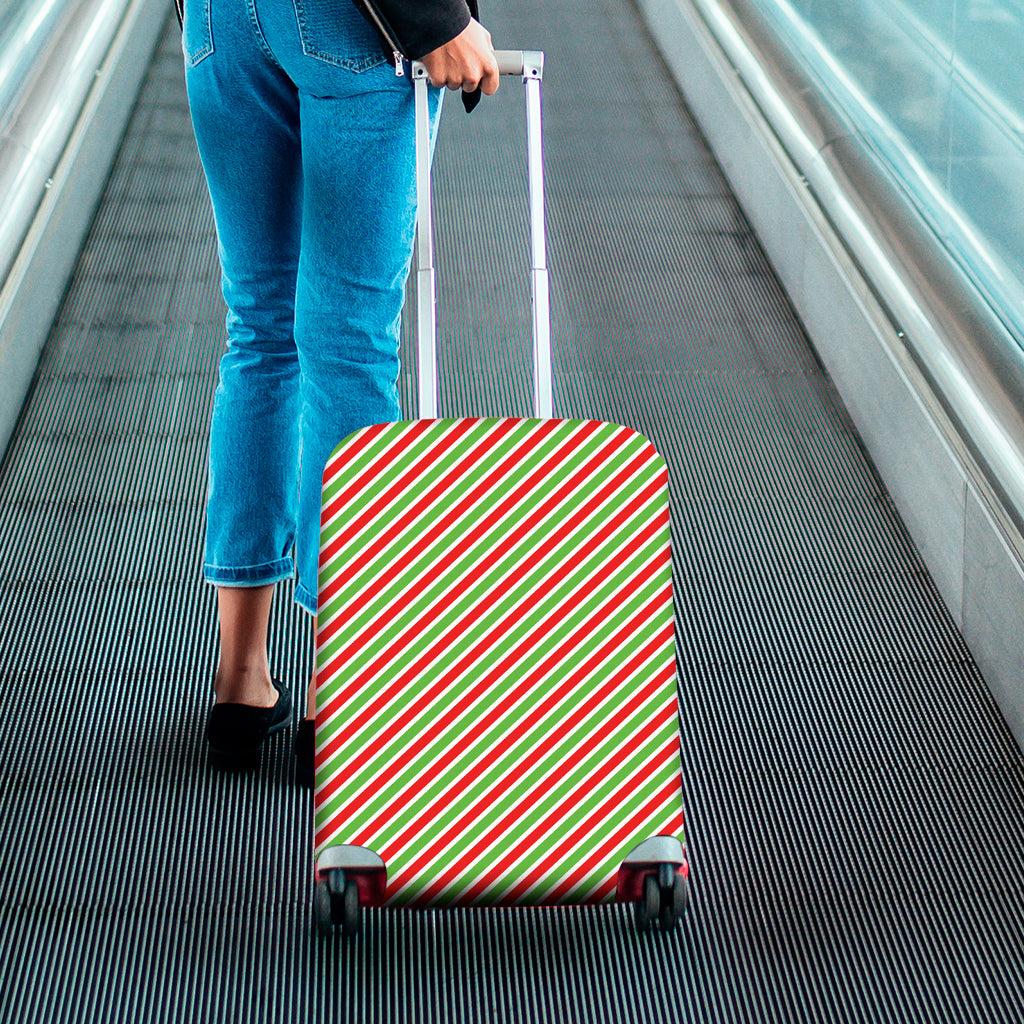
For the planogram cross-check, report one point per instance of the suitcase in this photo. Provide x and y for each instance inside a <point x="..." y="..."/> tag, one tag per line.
<point x="496" y="698"/>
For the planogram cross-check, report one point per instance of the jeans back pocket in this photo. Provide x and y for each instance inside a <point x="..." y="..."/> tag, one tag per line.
<point x="196" y="34"/>
<point x="336" y="33"/>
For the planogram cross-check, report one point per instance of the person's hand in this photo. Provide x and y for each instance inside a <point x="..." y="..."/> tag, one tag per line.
<point x="467" y="61"/>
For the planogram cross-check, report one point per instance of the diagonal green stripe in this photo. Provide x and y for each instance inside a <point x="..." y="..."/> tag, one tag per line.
<point x="527" y="622"/>
<point x="576" y="612"/>
<point x="424" y="767"/>
<point x="598" y="872"/>
<point x="529" y="661"/>
<point x="389" y="469"/>
<point x="464" y="787"/>
<point x="447" y="601"/>
<point x="358" y="596"/>
<point x="461" y="774"/>
<point x="416" y="598"/>
<point x="399" y="742"/>
<point x="351" y="466"/>
<point x="359" y="589"/>
<point x="602" y="788"/>
<point x="663" y="773"/>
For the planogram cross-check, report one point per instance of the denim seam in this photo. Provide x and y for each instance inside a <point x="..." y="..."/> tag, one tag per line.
<point x="257" y="31"/>
<point x="251" y="575"/>
<point x="303" y="596"/>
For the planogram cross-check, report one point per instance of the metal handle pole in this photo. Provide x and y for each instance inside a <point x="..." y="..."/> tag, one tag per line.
<point x="426" y="329"/>
<point x="542" y="382"/>
<point x="529" y="64"/>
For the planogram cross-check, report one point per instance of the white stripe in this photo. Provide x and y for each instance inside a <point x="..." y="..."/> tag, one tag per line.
<point x="388" y="676"/>
<point x="585" y="849"/>
<point x="360" y="613"/>
<point x="389" y="435"/>
<point x="421" y="779"/>
<point x="657" y="823"/>
<point x="581" y="739"/>
<point x="353" y="599"/>
<point x="371" y="531"/>
<point x="463" y="450"/>
<point x="581" y="851"/>
<point x="397" y="694"/>
<point x="568" y="504"/>
<point x="429" y="438"/>
<point x="397" y="699"/>
<point x="341" y="451"/>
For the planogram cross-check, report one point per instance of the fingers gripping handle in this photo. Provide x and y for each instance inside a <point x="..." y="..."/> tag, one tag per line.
<point x="526" y="63"/>
<point x="529" y="64"/>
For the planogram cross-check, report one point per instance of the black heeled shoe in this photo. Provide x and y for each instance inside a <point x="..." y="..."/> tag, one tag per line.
<point x="236" y="732"/>
<point x="305" y="738"/>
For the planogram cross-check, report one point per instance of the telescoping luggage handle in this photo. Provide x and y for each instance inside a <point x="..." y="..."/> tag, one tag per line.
<point x="530" y="65"/>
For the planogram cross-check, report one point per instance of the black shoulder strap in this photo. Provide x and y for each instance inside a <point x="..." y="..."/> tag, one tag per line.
<point x="471" y="99"/>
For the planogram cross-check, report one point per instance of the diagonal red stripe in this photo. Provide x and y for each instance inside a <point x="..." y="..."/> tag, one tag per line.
<point x="488" y="681"/>
<point x="451" y="516"/>
<point x="471" y="537"/>
<point x="336" y="465"/>
<point x="605" y="893"/>
<point x="355" y="446"/>
<point x="673" y="826"/>
<point x="668" y="791"/>
<point x="456" y="631"/>
<point x="430" y="458"/>
<point x="615" y="719"/>
<point x="541" y="632"/>
<point x="504" y="864"/>
<point x="520" y="812"/>
<point x="530" y="681"/>
<point x="549" y="864"/>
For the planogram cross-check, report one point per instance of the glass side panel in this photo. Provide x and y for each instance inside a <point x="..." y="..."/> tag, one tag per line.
<point x="936" y="87"/>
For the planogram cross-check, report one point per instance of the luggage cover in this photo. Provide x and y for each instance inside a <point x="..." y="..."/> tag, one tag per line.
<point x="496" y="695"/>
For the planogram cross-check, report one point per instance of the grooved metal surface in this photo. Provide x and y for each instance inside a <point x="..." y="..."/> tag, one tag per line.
<point x="855" y="804"/>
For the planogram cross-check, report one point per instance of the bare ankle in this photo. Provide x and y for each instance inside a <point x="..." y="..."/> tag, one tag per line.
<point x="244" y="685"/>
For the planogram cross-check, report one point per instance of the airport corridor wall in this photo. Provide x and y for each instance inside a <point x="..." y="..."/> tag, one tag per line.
<point x="70" y="72"/>
<point x="877" y="151"/>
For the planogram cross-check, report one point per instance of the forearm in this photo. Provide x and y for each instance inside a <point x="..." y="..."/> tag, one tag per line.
<point x="426" y="24"/>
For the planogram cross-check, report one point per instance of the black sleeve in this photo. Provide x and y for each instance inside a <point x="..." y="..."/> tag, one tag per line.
<point x="425" y="24"/>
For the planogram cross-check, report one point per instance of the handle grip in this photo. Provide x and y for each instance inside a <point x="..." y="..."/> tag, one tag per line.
<point x="528" y="63"/>
<point x="525" y="63"/>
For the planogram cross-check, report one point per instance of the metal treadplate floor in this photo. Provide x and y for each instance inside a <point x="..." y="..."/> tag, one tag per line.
<point x="855" y="803"/>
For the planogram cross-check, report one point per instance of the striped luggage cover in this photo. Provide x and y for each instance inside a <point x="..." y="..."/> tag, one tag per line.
<point x="495" y="670"/>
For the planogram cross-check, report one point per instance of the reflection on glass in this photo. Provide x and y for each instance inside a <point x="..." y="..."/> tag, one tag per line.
<point x="937" y="88"/>
<point x="26" y="26"/>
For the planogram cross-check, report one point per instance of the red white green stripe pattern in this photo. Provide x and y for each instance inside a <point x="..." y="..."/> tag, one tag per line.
<point x="496" y="700"/>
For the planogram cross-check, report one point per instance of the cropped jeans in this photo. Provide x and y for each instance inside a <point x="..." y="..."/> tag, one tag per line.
<point x="306" y="138"/>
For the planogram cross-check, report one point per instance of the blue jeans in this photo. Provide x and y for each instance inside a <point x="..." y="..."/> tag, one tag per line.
<point x="306" y="138"/>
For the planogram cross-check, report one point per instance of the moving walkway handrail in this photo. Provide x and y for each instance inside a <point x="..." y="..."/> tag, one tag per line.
<point x="66" y="98"/>
<point x="969" y="355"/>
<point x="48" y="101"/>
<point x="27" y="27"/>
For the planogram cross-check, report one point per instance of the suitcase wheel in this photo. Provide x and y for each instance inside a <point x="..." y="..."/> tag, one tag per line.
<point x="665" y="897"/>
<point x="322" y="909"/>
<point x="336" y="901"/>
<point x="675" y="901"/>
<point x="348" y="915"/>
<point x="649" y="903"/>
